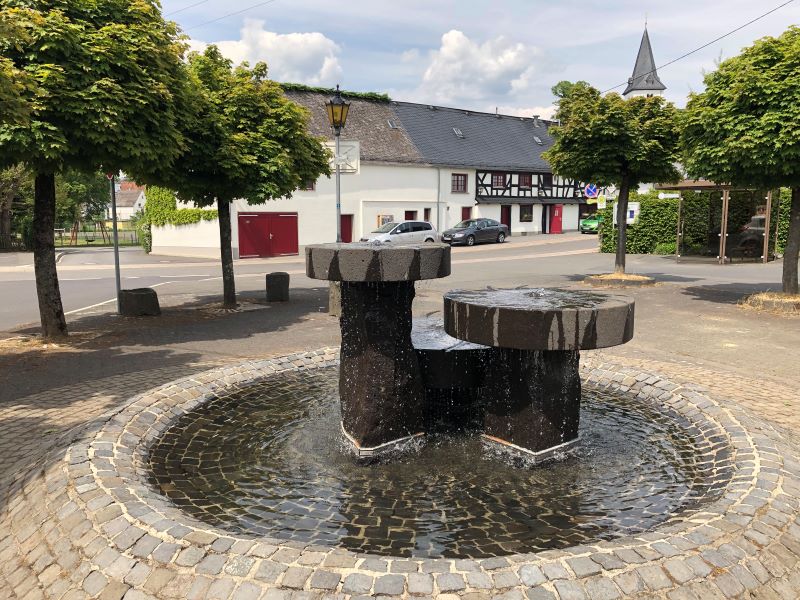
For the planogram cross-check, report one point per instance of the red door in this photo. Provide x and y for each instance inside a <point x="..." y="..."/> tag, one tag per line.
<point x="347" y="228"/>
<point x="466" y="213"/>
<point x="505" y="215"/>
<point x="283" y="234"/>
<point x="267" y="234"/>
<point x="556" y="212"/>
<point x="253" y="235"/>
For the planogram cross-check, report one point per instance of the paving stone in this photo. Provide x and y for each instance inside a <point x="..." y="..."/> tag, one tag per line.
<point x="450" y="582"/>
<point x="269" y="571"/>
<point x="583" y="567"/>
<point x="247" y="591"/>
<point x="296" y="577"/>
<point x="239" y="566"/>
<point x="190" y="556"/>
<point x="94" y="583"/>
<point x="555" y="571"/>
<point x="600" y="588"/>
<point x="505" y="579"/>
<point x="479" y="580"/>
<point x="211" y="564"/>
<point x="389" y="585"/>
<point x="540" y="593"/>
<point x="356" y="583"/>
<point x="654" y="577"/>
<point x="221" y="589"/>
<point x="570" y="590"/>
<point x="420" y="584"/>
<point x="325" y="580"/>
<point x="531" y="575"/>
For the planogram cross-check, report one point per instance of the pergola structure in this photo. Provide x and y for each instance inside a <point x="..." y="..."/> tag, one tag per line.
<point x="703" y="185"/>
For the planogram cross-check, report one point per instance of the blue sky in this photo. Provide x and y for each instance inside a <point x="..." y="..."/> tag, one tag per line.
<point x="477" y="54"/>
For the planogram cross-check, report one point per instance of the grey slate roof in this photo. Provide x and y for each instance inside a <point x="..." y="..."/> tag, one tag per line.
<point x="644" y="77"/>
<point x="367" y="122"/>
<point x="426" y="134"/>
<point x="128" y="198"/>
<point x="489" y="141"/>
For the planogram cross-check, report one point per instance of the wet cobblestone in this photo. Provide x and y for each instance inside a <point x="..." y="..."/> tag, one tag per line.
<point x="758" y="513"/>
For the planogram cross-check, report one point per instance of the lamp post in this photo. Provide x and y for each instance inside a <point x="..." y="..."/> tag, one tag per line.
<point x="338" y="108"/>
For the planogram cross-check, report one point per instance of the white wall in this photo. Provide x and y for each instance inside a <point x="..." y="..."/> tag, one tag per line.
<point x="198" y="239"/>
<point x="571" y="217"/>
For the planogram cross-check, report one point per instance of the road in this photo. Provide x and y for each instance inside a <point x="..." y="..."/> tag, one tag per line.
<point x="86" y="276"/>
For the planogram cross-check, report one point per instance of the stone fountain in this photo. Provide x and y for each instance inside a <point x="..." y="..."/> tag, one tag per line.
<point x="505" y="361"/>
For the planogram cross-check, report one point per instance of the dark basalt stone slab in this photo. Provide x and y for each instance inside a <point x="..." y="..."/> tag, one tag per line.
<point x="277" y="286"/>
<point x="532" y="401"/>
<point x="139" y="302"/>
<point x="453" y="372"/>
<point x="377" y="262"/>
<point x="380" y="384"/>
<point x="539" y="318"/>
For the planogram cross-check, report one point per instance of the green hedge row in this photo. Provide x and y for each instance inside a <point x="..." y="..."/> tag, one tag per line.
<point x="655" y="230"/>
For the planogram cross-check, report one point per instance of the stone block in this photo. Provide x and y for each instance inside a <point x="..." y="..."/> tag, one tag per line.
<point x="140" y="302"/>
<point x="277" y="287"/>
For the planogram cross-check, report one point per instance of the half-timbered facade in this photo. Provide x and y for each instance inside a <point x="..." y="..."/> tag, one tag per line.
<point x="403" y="161"/>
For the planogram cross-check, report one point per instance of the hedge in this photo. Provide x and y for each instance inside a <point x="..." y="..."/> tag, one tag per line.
<point x="161" y="208"/>
<point x="299" y="87"/>
<point x="655" y="230"/>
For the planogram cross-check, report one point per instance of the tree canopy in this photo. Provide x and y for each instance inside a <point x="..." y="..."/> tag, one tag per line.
<point x="108" y="85"/>
<point x="603" y="139"/>
<point x="248" y="141"/>
<point x="744" y="129"/>
<point x="105" y="87"/>
<point x="608" y="140"/>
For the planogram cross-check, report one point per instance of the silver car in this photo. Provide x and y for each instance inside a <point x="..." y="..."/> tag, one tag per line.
<point x="403" y="232"/>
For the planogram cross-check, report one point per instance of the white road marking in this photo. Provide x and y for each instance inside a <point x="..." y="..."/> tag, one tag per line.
<point x="81" y="278"/>
<point x="181" y="276"/>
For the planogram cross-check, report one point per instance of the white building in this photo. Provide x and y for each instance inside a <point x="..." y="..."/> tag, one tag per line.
<point x="403" y="161"/>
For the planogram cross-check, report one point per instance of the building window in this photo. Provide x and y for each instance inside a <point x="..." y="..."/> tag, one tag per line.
<point x="384" y="219"/>
<point x="526" y="213"/>
<point x="458" y="183"/>
<point x="309" y="186"/>
<point x="411" y="215"/>
<point x="498" y="180"/>
<point x="525" y="181"/>
<point x="427" y="214"/>
<point x="547" y="181"/>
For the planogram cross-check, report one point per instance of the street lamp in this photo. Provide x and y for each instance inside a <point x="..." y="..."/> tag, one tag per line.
<point x="338" y="108"/>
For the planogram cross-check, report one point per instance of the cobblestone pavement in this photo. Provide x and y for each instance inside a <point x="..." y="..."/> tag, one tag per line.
<point x="72" y="526"/>
<point x="81" y="522"/>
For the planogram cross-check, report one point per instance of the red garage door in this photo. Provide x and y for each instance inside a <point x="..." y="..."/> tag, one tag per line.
<point x="267" y="234"/>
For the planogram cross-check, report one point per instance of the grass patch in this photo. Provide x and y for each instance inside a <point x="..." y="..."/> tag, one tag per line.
<point x="622" y="277"/>
<point x="773" y="302"/>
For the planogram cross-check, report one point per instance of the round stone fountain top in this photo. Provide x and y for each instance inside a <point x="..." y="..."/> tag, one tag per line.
<point x="539" y="318"/>
<point x="371" y="262"/>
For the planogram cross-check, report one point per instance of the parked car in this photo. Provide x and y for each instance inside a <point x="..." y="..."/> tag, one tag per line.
<point x="591" y="224"/>
<point x="475" y="231"/>
<point x="403" y="232"/>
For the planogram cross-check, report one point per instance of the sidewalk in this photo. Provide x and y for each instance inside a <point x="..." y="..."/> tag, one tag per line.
<point x="16" y="259"/>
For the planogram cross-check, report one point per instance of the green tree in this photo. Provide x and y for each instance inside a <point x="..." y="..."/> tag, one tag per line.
<point x="611" y="141"/>
<point x="12" y="184"/>
<point x="249" y="142"/>
<point x="81" y="197"/>
<point x="110" y="92"/>
<point x="13" y="79"/>
<point x="744" y="129"/>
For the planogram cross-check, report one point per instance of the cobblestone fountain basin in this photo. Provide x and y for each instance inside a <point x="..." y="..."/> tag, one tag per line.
<point x="90" y="522"/>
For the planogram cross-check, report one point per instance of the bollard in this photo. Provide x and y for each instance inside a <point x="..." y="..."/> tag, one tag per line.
<point x="277" y="287"/>
<point x="140" y="302"/>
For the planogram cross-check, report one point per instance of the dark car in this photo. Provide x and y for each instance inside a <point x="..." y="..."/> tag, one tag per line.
<point x="475" y="231"/>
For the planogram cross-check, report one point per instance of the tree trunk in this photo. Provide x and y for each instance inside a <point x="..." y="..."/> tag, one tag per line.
<point x="792" y="252"/>
<point x="228" y="282"/>
<point x="5" y="220"/>
<point x="622" y="224"/>
<point x="51" y="312"/>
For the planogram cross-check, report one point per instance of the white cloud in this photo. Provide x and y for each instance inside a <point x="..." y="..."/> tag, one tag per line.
<point x="545" y="112"/>
<point x="309" y="58"/>
<point x="462" y="69"/>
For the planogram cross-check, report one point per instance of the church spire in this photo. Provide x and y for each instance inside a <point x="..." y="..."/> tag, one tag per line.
<point x="645" y="79"/>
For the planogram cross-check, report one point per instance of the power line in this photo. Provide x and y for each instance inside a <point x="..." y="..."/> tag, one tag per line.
<point x="714" y="41"/>
<point x="238" y="12"/>
<point x="180" y="10"/>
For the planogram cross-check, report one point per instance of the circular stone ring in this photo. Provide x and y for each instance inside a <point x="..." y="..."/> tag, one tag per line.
<point x="539" y="319"/>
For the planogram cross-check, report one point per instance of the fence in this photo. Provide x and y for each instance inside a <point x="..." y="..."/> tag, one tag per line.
<point x="10" y="241"/>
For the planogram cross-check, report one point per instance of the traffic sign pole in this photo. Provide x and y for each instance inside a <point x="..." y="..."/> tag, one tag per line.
<point x="111" y="179"/>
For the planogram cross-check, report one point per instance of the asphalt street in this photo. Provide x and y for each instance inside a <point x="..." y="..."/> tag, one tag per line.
<point x="86" y="276"/>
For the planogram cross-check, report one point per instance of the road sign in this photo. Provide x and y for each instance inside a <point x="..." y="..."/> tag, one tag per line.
<point x="591" y="191"/>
